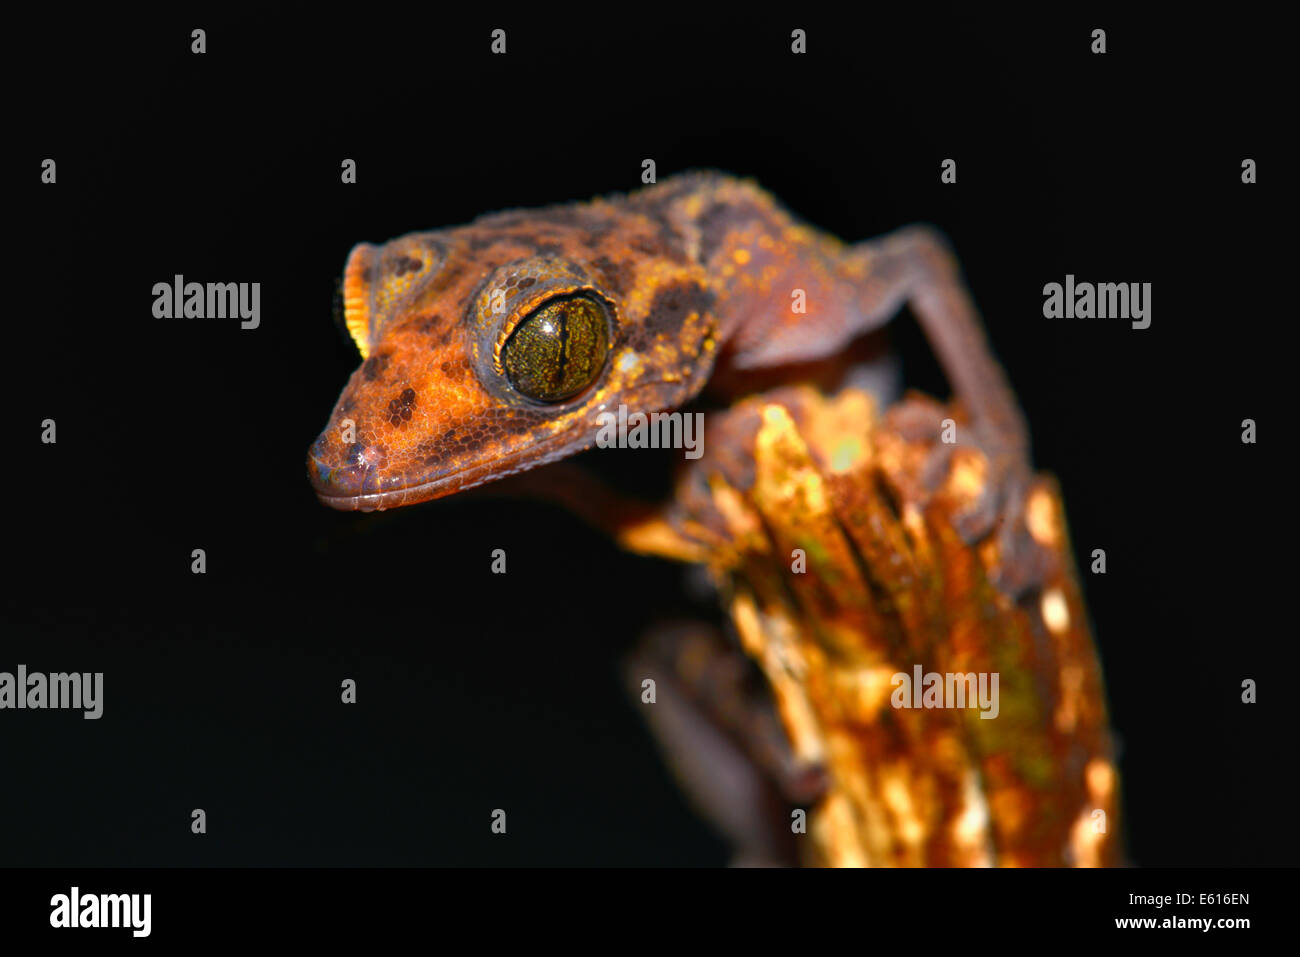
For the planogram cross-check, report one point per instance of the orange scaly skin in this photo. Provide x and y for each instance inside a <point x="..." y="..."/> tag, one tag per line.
<point x="698" y="272"/>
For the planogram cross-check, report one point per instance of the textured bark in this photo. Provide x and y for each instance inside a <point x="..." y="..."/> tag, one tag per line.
<point x="889" y="585"/>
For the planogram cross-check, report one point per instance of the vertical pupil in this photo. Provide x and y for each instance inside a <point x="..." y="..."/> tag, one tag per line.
<point x="561" y="321"/>
<point x="557" y="351"/>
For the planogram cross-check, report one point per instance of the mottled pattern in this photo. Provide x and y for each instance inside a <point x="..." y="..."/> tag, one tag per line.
<point x="431" y="405"/>
<point x="700" y="267"/>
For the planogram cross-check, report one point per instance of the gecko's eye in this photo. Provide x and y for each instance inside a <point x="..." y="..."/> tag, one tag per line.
<point x="558" y="350"/>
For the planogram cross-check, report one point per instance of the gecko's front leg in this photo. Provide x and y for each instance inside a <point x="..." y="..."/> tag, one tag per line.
<point x="916" y="265"/>
<point x="837" y="292"/>
<point x="507" y="343"/>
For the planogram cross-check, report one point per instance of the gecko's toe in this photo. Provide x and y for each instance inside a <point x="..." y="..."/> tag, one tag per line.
<point x="959" y="469"/>
<point x="990" y="494"/>
<point x="1023" y="563"/>
<point x="975" y="522"/>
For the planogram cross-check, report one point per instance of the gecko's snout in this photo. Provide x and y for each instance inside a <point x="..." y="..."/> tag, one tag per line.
<point x="338" y="483"/>
<point x="360" y="477"/>
<point x="358" y="481"/>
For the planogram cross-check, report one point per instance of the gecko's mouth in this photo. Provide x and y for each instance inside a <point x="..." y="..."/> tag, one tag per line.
<point x="365" y="489"/>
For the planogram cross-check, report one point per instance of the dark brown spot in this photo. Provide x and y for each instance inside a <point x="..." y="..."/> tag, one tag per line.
<point x="672" y="304"/>
<point x="445" y="277"/>
<point x="437" y="447"/>
<point x="406" y="264"/>
<point x="596" y="235"/>
<point x="440" y="339"/>
<point x="673" y="244"/>
<point x="426" y="324"/>
<point x="714" y="225"/>
<point x="373" y="368"/>
<point x="618" y="277"/>
<point x="399" y="409"/>
<point x="455" y="368"/>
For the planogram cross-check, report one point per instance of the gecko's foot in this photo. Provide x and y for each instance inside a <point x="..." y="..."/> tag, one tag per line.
<point x="1023" y="563"/>
<point x="995" y="485"/>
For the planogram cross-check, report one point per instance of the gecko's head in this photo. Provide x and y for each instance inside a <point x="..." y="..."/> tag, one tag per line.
<point x="494" y="347"/>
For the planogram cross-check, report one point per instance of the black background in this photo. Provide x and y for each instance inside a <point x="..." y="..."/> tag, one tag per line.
<point x="479" y="691"/>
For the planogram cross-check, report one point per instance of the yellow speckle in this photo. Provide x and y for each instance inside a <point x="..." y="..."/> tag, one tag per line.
<point x="1086" y="842"/>
<point x="970" y="827"/>
<point x="1067" y="714"/>
<point x="741" y="256"/>
<point x="848" y="451"/>
<point x="1101" y="779"/>
<point x="966" y="480"/>
<point x="866" y="691"/>
<point x="914" y="522"/>
<point x="1056" y="613"/>
<point x="1041" y="519"/>
<point x="894" y="790"/>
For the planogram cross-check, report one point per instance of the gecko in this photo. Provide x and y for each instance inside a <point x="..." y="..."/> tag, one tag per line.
<point x="493" y="347"/>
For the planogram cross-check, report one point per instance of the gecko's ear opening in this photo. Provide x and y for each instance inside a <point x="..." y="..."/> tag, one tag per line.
<point x="356" y="296"/>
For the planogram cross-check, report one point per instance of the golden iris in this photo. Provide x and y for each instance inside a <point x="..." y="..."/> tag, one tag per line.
<point x="559" y="350"/>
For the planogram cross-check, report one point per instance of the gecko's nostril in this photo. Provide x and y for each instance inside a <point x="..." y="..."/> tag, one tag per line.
<point x="355" y="477"/>
<point x="330" y="476"/>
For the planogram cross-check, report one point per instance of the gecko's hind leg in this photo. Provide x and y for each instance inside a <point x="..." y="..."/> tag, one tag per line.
<point x="720" y="735"/>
